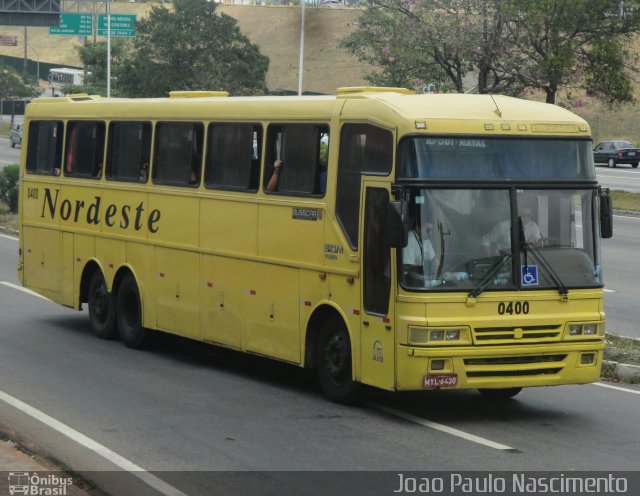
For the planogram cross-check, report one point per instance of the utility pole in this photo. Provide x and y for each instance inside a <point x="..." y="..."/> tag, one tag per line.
<point x="25" y="63"/>
<point x="108" y="48"/>
<point x="301" y="62"/>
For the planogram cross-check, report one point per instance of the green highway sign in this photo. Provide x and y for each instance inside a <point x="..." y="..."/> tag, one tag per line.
<point x="74" y="24"/>
<point x="123" y="25"/>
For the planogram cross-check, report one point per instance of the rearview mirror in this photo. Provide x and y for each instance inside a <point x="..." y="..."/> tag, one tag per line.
<point x="606" y="215"/>
<point x="397" y="228"/>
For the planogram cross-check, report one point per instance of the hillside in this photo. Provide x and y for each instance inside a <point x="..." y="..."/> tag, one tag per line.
<point x="276" y="30"/>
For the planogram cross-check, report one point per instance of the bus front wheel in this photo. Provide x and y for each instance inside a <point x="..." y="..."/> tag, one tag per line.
<point x="102" y="313"/>
<point x="500" y="394"/>
<point x="129" y="315"/>
<point x="333" y="359"/>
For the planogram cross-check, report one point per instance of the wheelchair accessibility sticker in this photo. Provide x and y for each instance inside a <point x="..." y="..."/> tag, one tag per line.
<point x="529" y="275"/>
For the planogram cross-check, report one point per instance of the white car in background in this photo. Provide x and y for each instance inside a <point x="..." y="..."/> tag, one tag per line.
<point x="331" y="4"/>
<point x="15" y="137"/>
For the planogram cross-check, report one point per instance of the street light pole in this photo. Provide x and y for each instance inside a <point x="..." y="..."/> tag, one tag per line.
<point x="301" y="62"/>
<point x="37" y="63"/>
<point x="108" y="48"/>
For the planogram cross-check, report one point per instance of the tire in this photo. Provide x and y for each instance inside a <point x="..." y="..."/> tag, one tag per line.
<point x="611" y="163"/>
<point x="102" y="311"/>
<point x="500" y="394"/>
<point x="634" y="165"/>
<point x="129" y="315"/>
<point x="334" y="362"/>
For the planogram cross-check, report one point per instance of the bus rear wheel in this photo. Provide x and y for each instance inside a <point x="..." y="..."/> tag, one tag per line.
<point x="129" y="315"/>
<point x="500" y="394"/>
<point x="333" y="359"/>
<point x="102" y="314"/>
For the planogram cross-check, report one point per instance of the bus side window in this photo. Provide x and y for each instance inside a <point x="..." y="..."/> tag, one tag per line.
<point x="44" y="151"/>
<point x="178" y="153"/>
<point x="84" y="150"/>
<point x="233" y="156"/>
<point x="129" y="151"/>
<point x="303" y="149"/>
<point x="364" y="149"/>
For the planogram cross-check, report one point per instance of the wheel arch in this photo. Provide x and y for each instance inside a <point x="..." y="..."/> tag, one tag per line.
<point x="122" y="271"/>
<point x="319" y="316"/>
<point x="85" y="279"/>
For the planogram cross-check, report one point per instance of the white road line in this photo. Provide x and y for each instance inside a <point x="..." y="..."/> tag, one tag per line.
<point x="8" y="237"/>
<point x="609" y="290"/>
<point x="618" y="388"/>
<point x="444" y="428"/>
<point x="119" y="461"/>
<point x="24" y="290"/>
<point x="627" y="216"/>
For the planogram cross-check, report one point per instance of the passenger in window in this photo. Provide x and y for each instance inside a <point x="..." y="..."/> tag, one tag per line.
<point x="272" y="185"/>
<point x="194" y="175"/>
<point x="56" y="171"/>
<point x="144" y="172"/>
<point x="97" y="173"/>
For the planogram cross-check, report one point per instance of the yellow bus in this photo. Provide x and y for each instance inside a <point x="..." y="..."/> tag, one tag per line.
<point x="402" y="241"/>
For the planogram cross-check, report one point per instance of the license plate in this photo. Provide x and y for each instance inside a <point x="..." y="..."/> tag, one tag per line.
<point x="632" y="154"/>
<point x="439" y="380"/>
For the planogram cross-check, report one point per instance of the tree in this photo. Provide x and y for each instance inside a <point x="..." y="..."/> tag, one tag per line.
<point x="14" y="86"/>
<point x="437" y="41"/>
<point x="9" y="176"/>
<point x="387" y="38"/>
<point x="573" y="44"/>
<point x="508" y="45"/>
<point x="191" y="48"/>
<point x="94" y="61"/>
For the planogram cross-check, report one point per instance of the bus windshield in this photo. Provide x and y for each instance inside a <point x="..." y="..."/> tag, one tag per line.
<point x="501" y="239"/>
<point x="495" y="158"/>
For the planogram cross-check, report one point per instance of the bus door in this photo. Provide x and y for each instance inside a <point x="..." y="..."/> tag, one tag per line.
<point x="377" y="336"/>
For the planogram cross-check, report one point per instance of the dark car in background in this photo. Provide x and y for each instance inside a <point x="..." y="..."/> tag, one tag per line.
<point x="616" y="152"/>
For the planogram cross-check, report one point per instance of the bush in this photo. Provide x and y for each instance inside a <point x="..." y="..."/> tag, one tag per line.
<point x="9" y="186"/>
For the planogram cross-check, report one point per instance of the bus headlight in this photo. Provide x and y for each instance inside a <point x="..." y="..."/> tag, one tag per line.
<point x="590" y="329"/>
<point x="453" y="335"/>
<point x="439" y="337"/>
<point x="575" y="330"/>
<point x="417" y="335"/>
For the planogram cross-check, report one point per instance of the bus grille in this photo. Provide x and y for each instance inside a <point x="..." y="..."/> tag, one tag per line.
<point x="510" y="366"/>
<point x="517" y="335"/>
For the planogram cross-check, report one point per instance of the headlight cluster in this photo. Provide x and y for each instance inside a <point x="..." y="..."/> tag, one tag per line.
<point x="421" y="335"/>
<point x="591" y="329"/>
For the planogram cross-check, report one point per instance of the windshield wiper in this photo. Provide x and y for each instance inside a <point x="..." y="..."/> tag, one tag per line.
<point x="488" y="278"/>
<point x="562" y="289"/>
<point x="524" y="246"/>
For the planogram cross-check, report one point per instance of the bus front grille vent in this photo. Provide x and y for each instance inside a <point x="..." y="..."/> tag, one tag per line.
<point x="517" y="335"/>
<point x="511" y="366"/>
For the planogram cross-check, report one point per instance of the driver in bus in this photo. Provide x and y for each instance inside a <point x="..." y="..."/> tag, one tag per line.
<point x="498" y="240"/>
<point x="419" y="251"/>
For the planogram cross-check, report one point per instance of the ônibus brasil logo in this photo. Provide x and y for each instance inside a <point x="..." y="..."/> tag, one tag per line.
<point x="38" y="485"/>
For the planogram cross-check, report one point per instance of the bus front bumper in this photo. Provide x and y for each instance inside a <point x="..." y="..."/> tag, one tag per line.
<point x="421" y="368"/>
